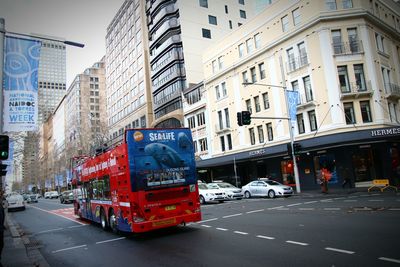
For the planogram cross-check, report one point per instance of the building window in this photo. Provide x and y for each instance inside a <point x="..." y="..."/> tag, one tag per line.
<point x="270" y="132"/>
<point x="365" y="111"/>
<point x="222" y="140"/>
<point x="308" y="89"/>
<point x="353" y="40"/>
<point x="392" y="111"/>
<point x="330" y="4"/>
<point x="220" y="120"/>
<point x="241" y="50"/>
<point x="343" y="79"/>
<point x="206" y="33"/>
<point x="257" y="103"/>
<point x="380" y="42"/>
<point x="212" y="20"/>
<point x="285" y="23"/>
<point x="217" y="92"/>
<point x="359" y="76"/>
<point x="229" y="138"/>
<point x="227" y="120"/>
<point x="223" y="88"/>
<point x="337" y="42"/>
<point x="230" y="24"/>
<point x="253" y="75"/>
<point x="300" y="123"/>
<point x="191" y="122"/>
<point x="201" y="120"/>
<point x="386" y="80"/>
<point x="226" y="9"/>
<point x="252" y="136"/>
<point x="242" y="14"/>
<point x="221" y="62"/>
<point x="249" y="45"/>
<point x="347" y="4"/>
<point x="257" y="40"/>
<point x="260" y="131"/>
<point x="313" y="120"/>
<point x="349" y="113"/>
<point x="214" y="66"/>
<point x="244" y="77"/>
<point x="248" y="106"/>
<point x="241" y="2"/>
<point x="261" y="69"/>
<point x="203" y="3"/>
<point x="296" y="16"/>
<point x="203" y="144"/>
<point x="291" y="60"/>
<point x="265" y="100"/>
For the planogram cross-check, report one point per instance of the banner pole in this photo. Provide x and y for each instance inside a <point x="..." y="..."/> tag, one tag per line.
<point x="2" y="30"/>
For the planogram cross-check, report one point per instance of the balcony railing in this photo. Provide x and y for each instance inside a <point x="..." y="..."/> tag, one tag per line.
<point x="392" y="91"/>
<point x="306" y="100"/>
<point x="297" y="63"/>
<point x="346" y="48"/>
<point x="222" y="128"/>
<point x="356" y="90"/>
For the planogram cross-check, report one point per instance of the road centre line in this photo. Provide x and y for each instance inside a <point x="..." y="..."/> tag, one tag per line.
<point x="332" y="208"/>
<point x="209" y="220"/>
<point x="306" y="208"/>
<point x="76" y="226"/>
<point x="310" y="202"/>
<point x="265" y="237"/>
<point x="275" y="208"/>
<point x="394" y="209"/>
<point x="64" y="249"/>
<point x="350" y="200"/>
<point x="295" y="204"/>
<point x="340" y="250"/>
<point x="283" y="209"/>
<point x="389" y="259"/>
<point x="51" y="230"/>
<point x="375" y="200"/>
<point x="296" y="243"/>
<point x="326" y="200"/>
<point x="221" y="229"/>
<point x="110" y="240"/>
<point x="241" y="233"/>
<point x="337" y="198"/>
<point x="375" y="194"/>
<point x="353" y="196"/>
<point x="206" y="226"/>
<point x="233" y="215"/>
<point x="254" y="211"/>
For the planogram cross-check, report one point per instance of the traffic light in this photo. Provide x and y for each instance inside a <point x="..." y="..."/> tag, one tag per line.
<point x="246" y="117"/>
<point x="3" y="169"/>
<point x="4" y="146"/>
<point x="239" y="119"/>
<point x="296" y="148"/>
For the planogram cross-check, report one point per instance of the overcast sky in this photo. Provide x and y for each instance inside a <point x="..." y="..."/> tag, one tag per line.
<point x="82" y="21"/>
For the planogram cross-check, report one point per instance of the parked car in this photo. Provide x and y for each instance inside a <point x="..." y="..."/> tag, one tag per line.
<point x="15" y="201"/>
<point x="266" y="188"/>
<point x="32" y="198"/>
<point x="231" y="192"/>
<point x="51" y="194"/>
<point x="67" y="197"/>
<point x="207" y="194"/>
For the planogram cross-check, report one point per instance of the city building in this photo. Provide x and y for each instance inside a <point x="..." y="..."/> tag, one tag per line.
<point x="85" y="112"/>
<point x="342" y="58"/>
<point x="177" y="39"/>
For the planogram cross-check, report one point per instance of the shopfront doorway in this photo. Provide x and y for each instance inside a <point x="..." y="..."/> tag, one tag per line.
<point x="363" y="165"/>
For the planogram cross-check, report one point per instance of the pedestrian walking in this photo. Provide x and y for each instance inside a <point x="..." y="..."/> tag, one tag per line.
<point x="346" y="178"/>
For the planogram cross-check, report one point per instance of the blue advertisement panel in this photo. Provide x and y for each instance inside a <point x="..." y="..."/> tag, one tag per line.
<point x="292" y="98"/>
<point x="21" y="65"/>
<point x="160" y="158"/>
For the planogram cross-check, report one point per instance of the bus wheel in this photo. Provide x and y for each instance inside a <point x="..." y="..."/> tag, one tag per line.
<point x="113" y="221"/>
<point x="103" y="220"/>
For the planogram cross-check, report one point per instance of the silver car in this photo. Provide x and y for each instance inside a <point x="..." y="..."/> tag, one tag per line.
<point x="266" y="188"/>
<point x="232" y="192"/>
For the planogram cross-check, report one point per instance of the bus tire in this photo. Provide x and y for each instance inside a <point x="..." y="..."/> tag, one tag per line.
<point x="103" y="220"/>
<point x="112" y="219"/>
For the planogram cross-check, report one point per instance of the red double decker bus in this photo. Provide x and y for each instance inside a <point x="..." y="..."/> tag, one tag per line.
<point x="146" y="183"/>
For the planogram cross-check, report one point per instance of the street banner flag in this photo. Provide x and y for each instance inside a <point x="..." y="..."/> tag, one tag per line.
<point x="47" y="183"/>
<point x="293" y="99"/>
<point x="21" y="65"/>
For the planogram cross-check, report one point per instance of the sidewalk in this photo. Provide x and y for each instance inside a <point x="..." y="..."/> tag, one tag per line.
<point x="338" y="191"/>
<point x="18" y="251"/>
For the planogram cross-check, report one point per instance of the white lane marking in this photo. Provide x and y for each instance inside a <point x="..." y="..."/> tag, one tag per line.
<point x="394" y="209"/>
<point x="331" y="208"/>
<point x="48" y="211"/>
<point x="375" y="194"/>
<point x="241" y="233"/>
<point x="207" y="220"/>
<point x="365" y="195"/>
<point x="233" y="215"/>
<point x="110" y="240"/>
<point x="265" y="237"/>
<point x="283" y="209"/>
<point x="51" y="230"/>
<point x="326" y="200"/>
<point x="64" y="249"/>
<point x="296" y="243"/>
<point x="221" y="229"/>
<point x="310" y="202"/>
<point x="306" y="208"/>
<point x="295" y="204"/>
<point x="350" y="200"/>
<point x="76" y="226"/>
<point x="340" y="250"/>
<point x="275" y="208"/>
<point x="254" y="211"/>
<point x="206" y="226"/>
<point x="365" y="208"/>
<point x="375" y="200"/>
<point x="337" y="198"/>
<point x="389" y="259"/>
<point x="354" y="196"/>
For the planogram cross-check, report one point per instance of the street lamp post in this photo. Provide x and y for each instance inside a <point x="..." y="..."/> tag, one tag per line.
<point x="295" y="169"/>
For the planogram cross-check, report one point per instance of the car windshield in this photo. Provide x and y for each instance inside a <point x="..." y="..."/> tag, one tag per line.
<point x="225" y="185"/>
<point x="213" y="186"/>
<point x="203" y="186"/>
<point x="272" y="183"/>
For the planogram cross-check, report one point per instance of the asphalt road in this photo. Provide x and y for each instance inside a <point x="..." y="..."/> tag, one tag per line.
<point x="350" y="230"/>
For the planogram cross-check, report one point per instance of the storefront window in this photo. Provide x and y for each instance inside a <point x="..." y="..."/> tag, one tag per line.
<point x="288" y="172"/>
<point x="325" y="166"/>
<point x="363" y="165"/>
